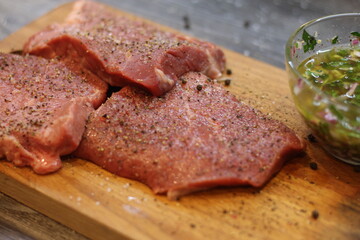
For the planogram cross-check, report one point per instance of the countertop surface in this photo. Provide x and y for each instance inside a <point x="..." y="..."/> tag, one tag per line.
<point x="257" y="28"/>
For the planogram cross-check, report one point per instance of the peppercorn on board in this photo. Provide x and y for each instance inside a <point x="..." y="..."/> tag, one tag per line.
<point x="312" y="197"/>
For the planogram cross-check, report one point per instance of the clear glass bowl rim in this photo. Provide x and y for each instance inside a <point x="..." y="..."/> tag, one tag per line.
<point x="289" y="61"/>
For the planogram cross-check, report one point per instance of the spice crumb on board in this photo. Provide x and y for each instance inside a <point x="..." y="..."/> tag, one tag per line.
<point x="311" y="138"/>
<point x="247" y="24"/>
<point x="315" y="214"/>
<point x="313" y="165"/>
<point x="192" y="225"/>
<point x="227" y="82"/>
<point x="186" y="20"/>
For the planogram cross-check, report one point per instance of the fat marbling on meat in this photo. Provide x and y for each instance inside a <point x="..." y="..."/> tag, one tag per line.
<point x="124" y="51"/>
<point x="196" y="136"/>
<point x="43" y="109"/>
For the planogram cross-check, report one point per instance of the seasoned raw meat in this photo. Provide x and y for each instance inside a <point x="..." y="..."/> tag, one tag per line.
<point x="43" y="110"/>
<point x="126" y="52"/>
<point x="196" y="136"/>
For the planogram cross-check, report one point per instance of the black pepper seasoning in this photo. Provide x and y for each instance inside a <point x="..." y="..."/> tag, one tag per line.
<point x="228" y="71"/>
<point x="313" y="165"/>
<point x="186" y="20"/>
<point x="227" y="82"/>
<point x="311" y="138"/>
<point x="199" y="87"/>
<point x="315" y="214"/>
<point x="247" y="24"/>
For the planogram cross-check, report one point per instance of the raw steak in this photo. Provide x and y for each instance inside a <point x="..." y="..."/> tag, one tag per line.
<point x="196" y="136"/>
<point x="123" y="52"/>
<point x="43" y="110"/>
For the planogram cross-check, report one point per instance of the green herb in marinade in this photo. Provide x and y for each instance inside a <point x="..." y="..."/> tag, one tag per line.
<point x="335" y="40"/>
<point x="356" y="34"/>
<point x="336" y="72"/>
<point x="309" y="40"/>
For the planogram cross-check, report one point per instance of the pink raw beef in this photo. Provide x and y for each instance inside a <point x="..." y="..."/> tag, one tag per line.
<point x="43" y="110"/>
<point x="196" y="136"/>
<point x="124" y="52"/>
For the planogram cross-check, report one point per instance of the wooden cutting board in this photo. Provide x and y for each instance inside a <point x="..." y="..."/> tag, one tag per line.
<point x="103" y="206"/>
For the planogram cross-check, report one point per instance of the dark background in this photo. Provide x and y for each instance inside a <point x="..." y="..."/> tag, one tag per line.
<point x="256" y="28"/>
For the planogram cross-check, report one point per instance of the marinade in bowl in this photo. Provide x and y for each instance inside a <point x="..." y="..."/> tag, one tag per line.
<point x="323" y="65"/>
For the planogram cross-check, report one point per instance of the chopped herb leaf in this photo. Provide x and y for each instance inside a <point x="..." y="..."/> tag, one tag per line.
<point x="309" y="40"/>
<point x="335" y="40"/>
<point x="356" y="34"/>
<point x="343" y="52"/>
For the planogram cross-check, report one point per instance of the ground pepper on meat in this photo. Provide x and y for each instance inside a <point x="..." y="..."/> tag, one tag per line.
<point x="170" y="123"/>
<point x="36" y="92"/>
<point x="116" y="41"/>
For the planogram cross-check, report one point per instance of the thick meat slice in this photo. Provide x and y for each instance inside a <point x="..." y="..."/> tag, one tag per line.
<point x="123" y="51"/>
<point x="43" y="110"/>
<point x="196" y="136"/>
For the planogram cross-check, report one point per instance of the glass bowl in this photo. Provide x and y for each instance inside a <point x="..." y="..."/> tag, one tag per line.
<point x="334" y="123"/>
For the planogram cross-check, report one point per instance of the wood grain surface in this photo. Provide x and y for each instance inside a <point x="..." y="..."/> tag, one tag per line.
<point x="100" y="205"/>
